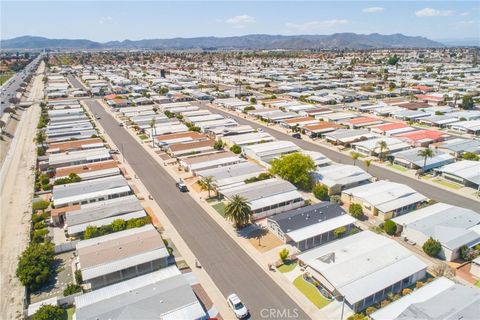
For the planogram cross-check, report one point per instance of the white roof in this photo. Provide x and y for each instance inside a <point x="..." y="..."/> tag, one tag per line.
<point x="379" y="262"/>
<point x="341" y="174"/>
<point x="321" y="227"/>
<point x="394" y="309"/>
<point x="386" y="196"/>
<point x="466" y="169"/>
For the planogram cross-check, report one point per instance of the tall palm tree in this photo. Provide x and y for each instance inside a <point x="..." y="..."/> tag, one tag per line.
<point x="425" y="153"/>
<point x="383" y="146"/>
<point x="152" y="127"/>
<point x="355" y="156"/>
<point x="367" y="163"/>
<point x="207" y="184"/>
<point x="238" y="211"/>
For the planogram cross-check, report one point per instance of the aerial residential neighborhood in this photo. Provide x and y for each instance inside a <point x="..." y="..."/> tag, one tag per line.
<point x="242" y="175"/>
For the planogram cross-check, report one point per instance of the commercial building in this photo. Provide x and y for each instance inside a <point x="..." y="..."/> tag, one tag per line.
<point x="384" y="199"/>
<point x="311" y="226"/>
<point x="363" y="268"/>
<point x="120" y="256"/>
<point x="452" y="226"/>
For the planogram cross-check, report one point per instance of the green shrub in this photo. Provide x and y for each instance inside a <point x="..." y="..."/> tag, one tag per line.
<point x="432" y="247"/>
<point x="78" y="276"/>
<point x="40" y="205"/>
<point x="356" y="210"/>
<point x="284" y="254"/>
<point x="236" y="149"/>
<point x="390" y="227"/>
<point x="71" y="289"/>
<point x="320" y="191"/>
<point x="340" y="231"/>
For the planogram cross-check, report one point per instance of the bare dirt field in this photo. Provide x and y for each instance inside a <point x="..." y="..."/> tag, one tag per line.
<point x="16" y="183"/>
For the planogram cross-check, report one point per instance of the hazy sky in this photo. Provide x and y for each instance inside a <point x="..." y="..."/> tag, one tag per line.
<point x="119" y="20"/>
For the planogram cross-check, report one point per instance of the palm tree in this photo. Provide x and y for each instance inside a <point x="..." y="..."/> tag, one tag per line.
<point x="152" y="126"/>
<point x="425" y="153"/>
<point x="367" y="163"/>
<point x="355" y="156"/>
<point x="207" y="184"/>
<point x="382" y="144"/>
<point x="238" y="211"/>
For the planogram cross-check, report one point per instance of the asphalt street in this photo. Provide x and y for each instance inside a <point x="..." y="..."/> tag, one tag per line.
<point x="232" y="270"/>
<point x="74" y="81"/>
<point x="428" y="190"/>
<point x="9" y="89"/>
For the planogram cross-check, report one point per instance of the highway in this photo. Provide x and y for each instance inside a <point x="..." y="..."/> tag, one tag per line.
<point x="9" y="88"/>
<point x="426" y="189"/>
<point x="232" y="270"/>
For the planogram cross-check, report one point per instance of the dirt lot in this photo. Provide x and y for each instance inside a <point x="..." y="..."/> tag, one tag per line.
<point x="16" y="183"/>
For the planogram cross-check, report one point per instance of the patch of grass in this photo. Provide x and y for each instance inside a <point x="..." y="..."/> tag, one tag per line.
<point x="220" y="207"/>
<point x="448" y="184"/>
<point x="397" y="167"/>
<point x="69" y="313"/>
<point x="287" y="266"/>
<point x="143" y="136"/>
<point x="478" y="283"/>
<point x="376" y="229"/>
<point x="310" y="292"/>
<point x="5" y="76"/>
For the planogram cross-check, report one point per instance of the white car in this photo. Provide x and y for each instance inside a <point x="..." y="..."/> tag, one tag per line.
<point x="234" y="302"/>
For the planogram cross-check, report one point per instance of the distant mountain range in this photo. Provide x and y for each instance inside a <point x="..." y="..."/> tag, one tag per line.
<point x="253" y="41"/>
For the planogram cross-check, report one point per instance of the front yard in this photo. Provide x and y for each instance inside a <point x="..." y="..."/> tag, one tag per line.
<point x="287" y="266"/>
<point x="310" y="292"/>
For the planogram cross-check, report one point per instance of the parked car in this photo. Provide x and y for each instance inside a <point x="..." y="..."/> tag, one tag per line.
<point x="121" y="124"/>
<point x="114" y="151"/>
<point x="181" y="186"/>
<point x="97" y="116"/>
<point x="297" y="135"/>
<point x="240" y="310"/>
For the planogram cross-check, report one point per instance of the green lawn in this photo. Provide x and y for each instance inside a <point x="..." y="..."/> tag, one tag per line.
<point x="69" y="313"/>
<point x="448" y="184"/>
<point x="310" y="292"/>
<point x="478" y="283"/>
<point x="220" y="207"/>
<point x="287" y="266"/>
<point x="397" y="167"/>
<point x="5" y="76"/>
<point x="143" y="136"/>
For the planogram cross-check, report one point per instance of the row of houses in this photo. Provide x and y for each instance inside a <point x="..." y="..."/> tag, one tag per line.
<point x="92" y="191"/>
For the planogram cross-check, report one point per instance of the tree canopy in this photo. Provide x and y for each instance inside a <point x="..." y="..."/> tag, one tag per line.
<point x="49" y="312"/>
<point x="320" y="191"/>
<point x="295" y="168"/>
<point x="238" y="211"/>
<point x="35" y="265"/>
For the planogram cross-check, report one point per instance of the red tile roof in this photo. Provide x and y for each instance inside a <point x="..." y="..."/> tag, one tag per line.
<point x="390" y="126"/>
<point x="421" y="134"/>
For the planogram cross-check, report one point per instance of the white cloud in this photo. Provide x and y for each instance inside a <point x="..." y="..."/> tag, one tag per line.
<point x="429" y="12"/>
<point x="240" y="21"/>
<point x="463" y="14"/>
<point x="373" y="10"/>
<point x="104" y="20"/>
<point x="314" y="26"/>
